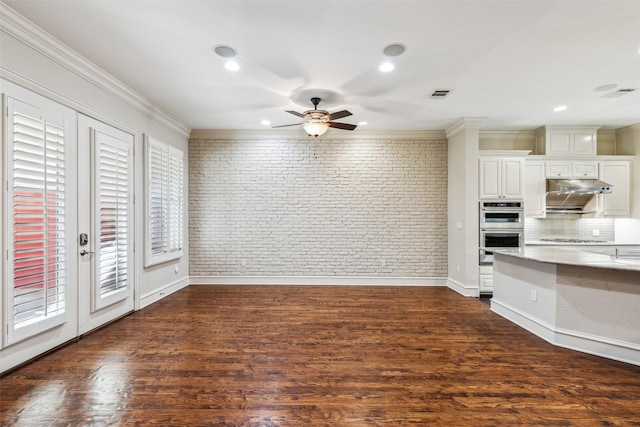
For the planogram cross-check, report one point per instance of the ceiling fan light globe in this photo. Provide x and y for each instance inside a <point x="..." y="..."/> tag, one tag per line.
<point x="315" y="128"/>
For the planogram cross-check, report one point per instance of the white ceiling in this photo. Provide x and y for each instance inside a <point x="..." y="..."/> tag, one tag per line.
<point x="510" y="62"/>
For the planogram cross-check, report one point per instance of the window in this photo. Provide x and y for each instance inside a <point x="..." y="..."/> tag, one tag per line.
<point x="165" y="202"/>
<point x="37" y="185"/>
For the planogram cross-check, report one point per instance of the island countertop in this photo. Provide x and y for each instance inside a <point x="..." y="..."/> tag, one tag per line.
<point x="573" y="256"/>
<point x="572" y="298"/>
<point x="571" y="242"/>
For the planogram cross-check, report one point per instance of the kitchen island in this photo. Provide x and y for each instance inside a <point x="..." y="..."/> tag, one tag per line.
<point x="584" y="301"/>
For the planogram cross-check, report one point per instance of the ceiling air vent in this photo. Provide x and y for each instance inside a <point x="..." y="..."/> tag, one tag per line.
<point x="617" y="93"/>
<point x="439" y="94"/>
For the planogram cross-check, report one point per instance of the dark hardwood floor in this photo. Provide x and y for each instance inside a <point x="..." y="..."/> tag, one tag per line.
<point x="318" y="356"/>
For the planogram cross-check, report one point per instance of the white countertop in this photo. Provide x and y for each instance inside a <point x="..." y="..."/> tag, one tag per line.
<point x="592" y="243"/>
<point x="556" y="243"/>
<point x="572" y="256"/>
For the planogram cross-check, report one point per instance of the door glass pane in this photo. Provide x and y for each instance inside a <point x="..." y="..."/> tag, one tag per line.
<point x="37" y="194"/>
<point x="112" y="207"/>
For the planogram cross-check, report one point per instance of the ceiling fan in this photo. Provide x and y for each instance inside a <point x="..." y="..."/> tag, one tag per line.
<point x="318" y="121"/>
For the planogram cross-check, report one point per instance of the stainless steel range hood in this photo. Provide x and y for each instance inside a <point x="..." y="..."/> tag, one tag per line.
<point x="573" y="196"/>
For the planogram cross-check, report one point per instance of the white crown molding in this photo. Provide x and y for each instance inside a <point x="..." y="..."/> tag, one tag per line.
<point x="508" y="135"/>
<point x="471" y="123"/>
<point x="635" y="126"/>
<point x="33" y="36"/>
<point x="18" y="80"/>
<point x="270" y="135"/>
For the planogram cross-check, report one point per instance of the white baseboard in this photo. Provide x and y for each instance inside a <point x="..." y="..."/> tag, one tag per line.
<point x="158" y="294"/>
<point x="317" y="280"/>
<point x="574" y="340"/>
<point x="462" y="289"/>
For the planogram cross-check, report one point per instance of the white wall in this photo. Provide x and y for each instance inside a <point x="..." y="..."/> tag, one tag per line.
<point x="463" y="138"/>
<point x="32" y="59"/>
<point x="328" y="207"/>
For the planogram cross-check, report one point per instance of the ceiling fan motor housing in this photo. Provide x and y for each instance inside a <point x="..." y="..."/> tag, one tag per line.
<point x="316" y="115"/>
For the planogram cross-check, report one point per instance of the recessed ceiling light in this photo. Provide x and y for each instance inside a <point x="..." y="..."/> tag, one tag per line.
<point x="231" y="66"/>
<point x="265" y="122"/>
<point x="386" y="67"/>
<point x="225" y="51"/>
<point x="363" y="123"/>
<point x="559" y="108"/>
<point x="395" y="49"/>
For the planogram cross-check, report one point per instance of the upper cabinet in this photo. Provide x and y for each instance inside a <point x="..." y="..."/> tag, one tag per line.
<point x="614" y="170"/>
<point x="561" y="169"/>
<point x="501" y="175"/>
<point x="567" y="140"/>
<point x="618" y="174"/>
<point x="535" y="188"/>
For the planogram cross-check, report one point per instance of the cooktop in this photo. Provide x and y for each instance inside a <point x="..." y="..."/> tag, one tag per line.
<point x="572" y="241"/>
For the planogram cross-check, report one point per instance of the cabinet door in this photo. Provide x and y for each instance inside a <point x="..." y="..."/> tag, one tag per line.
<point x="618" y="174"/>
<point x="583" y="143"/>
<point x="628" y="251"/>
<point x="489" y="178"/>
<point x="584" y="170"/>
<point x="558" y="169"/>
<point x="534" y="189"/>
<point x="558" y="142"/>
<point x="512" y="182"/>
<point x="486" y="283"/>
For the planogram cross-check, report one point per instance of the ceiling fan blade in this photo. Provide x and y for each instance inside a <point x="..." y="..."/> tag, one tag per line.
<point x="295" y="113"/>
<point x="339" y="115"/>
<point x="345" y="126"/>
<point x="284" y="126"/>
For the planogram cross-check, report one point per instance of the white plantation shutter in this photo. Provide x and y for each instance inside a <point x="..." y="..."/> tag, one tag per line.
<point x="165" y="206"/>
<point x="37" y="239"/>
<point x="157" y="181"/>
<point x="174" y="197"/>
<point x="112" y="216"/>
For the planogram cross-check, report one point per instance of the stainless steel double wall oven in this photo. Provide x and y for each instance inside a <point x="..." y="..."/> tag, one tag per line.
<point x="501" y="227"/>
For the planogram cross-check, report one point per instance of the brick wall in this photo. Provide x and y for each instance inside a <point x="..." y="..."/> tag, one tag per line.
<point x="375" y="208"/>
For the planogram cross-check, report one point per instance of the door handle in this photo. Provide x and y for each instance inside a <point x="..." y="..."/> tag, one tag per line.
<point x="85" y="252"/>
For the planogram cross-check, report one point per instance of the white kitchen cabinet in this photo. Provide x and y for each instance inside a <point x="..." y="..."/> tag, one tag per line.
<point x="584" y="169"/>
<point x="485" y="285"/>
<point x="566" y="169"/>
<point x="602" y="250"/>
<point x="535" y="189"/>
<point x="618" y="174"/>
<point x="628" y="252"/>
<point x="558" y="169"/>
<point x="501" y="176"/>
<point x="567" y="140"/>
<point x="485" y="279"/>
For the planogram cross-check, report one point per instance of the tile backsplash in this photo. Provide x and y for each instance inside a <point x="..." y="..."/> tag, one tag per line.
<point x="565" y="228"/>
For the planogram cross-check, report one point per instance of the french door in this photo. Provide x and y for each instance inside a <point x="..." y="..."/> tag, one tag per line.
<point x="105" y="223"/>
<point x="68" y="225"/>
<point x="40" y="292"/>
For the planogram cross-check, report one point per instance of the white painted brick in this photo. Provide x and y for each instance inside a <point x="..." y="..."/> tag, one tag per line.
<point x="325" y="207"/>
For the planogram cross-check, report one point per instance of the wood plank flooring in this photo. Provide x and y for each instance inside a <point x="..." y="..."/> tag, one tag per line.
<point x="318" y="356"/>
